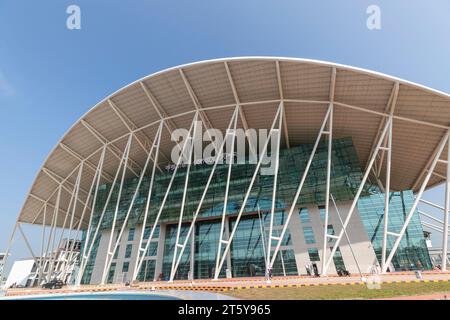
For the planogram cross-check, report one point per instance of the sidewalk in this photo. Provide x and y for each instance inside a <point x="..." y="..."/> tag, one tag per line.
<point x="223" y="285"/>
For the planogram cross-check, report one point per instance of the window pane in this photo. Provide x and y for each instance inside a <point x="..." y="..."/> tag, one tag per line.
<point x="131" y="234"/>
<point x="128" y="250"/>
<point x="309" y="235"/>
<point x="313" y="254"/>
<point x="304" y="215"/>
<point x="322" y="212"/>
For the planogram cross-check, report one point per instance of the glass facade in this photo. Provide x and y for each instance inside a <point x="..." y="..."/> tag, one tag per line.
<point x="322" y="212"/>
<point x="313" y="254"/>
<point x="91" y="261"/>
<point x="309" y="235"/>
<point x="346" y="175"/>
<point x="128" y="250"/>
<point x="247" y="256"/>
<point x="412" y="252"/>
<point x="338" y="260"/>
<point x="148" y="230"/>
<point x="111" y="273"/>
<point x="131" y="234"/>
<point x="330" y="231"/>
<point x="248" y="248"/>
<point x="169" y="248"/>
<point x="206" y="240"/>
<point x="152" y="249"/>
<point x="304" y="215"/>
<point x="147" y="271"/>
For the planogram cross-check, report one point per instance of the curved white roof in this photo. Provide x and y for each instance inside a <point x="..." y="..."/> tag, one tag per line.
<point x="362" y="99"/>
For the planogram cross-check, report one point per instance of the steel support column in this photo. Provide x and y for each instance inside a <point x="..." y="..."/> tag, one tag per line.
<point x="244" y="203"/>
<point x="274" y="192"/>
<point x="95" y="180"/>
<point x="300" y="186"/>
<point x="109" y="254"/>
<point x="8" y="249"/>
<point x="358" y="193"/>
<point x="327" y="187"/>
<point x="191" y="143"/>
<point x="416" y="201"/>
<point x="133" y="199"/>
<point x="141" y="251"/>
<point x="387" y="194"/>
<point x="86" y="258"/>
<point x="219" y="154"/>
<point x="163" y="203"/>
<point x="227" y="188"/>
<point x="88" y="199"/>
<point x="446" y="212"/>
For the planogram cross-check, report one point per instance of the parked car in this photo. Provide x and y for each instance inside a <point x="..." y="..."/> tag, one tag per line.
<point x="343" y="273"/>
<point x="53" y="284"/>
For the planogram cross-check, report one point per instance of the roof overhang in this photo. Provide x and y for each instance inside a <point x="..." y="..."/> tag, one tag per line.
<point x="363" y="100"/>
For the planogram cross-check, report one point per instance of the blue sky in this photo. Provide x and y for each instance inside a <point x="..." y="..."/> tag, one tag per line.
<point x="50" y="76"/>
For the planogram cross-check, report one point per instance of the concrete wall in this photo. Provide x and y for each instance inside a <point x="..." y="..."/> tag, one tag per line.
<point x="119" y="275"/>
<point x="361" y="244"/>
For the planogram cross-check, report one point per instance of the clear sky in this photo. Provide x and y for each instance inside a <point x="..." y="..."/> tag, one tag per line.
<point x="50" y="76"/>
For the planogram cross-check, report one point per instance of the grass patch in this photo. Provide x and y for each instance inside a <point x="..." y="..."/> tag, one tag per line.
<point x="335" y="292"/>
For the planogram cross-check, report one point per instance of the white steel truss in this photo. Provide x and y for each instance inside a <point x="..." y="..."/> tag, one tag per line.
<point x="94" y="186"/>
<point x="327" y="236"/>
<point x="446" y="211"/>
<point x="358" y="193"/>
<point x="86" y="254"/>
<point x="249" y="189"/>
<point x="109" y="253"/>
<point x="183" y="201"/>
<point x="231" y="136"/>
<point x="387" y="190"/>
<point x="136" y="192"/>
<point x="74" y="206"/>
<point x="271" y="237"/>
<point x="114" y="150"/>
<point x="187" y="143"/>
<point x="445" y="141"/>
<point x="322" y="131"/>
<point x="219" y="152"/>
<point x="141" y="252"/>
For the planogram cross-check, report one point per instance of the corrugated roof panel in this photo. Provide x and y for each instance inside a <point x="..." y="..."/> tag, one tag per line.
<point x="81" y="141"/>
<point x="106" y="122"/>
<point x="210" y="84"/>
<point x="260" y="116"/>
<point x="305" y="81"/>
<point x="255" y="80"/>
<point x="304" y="121"/>
<point x="362" y="90"/>
<point x="412" y="147"/>
<point x="171" y="92"/>
<point x="417" y="104"/>
<point x="61" y="162"/>
<point x="44" y="186"/>
<point x="135" y="104"/>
